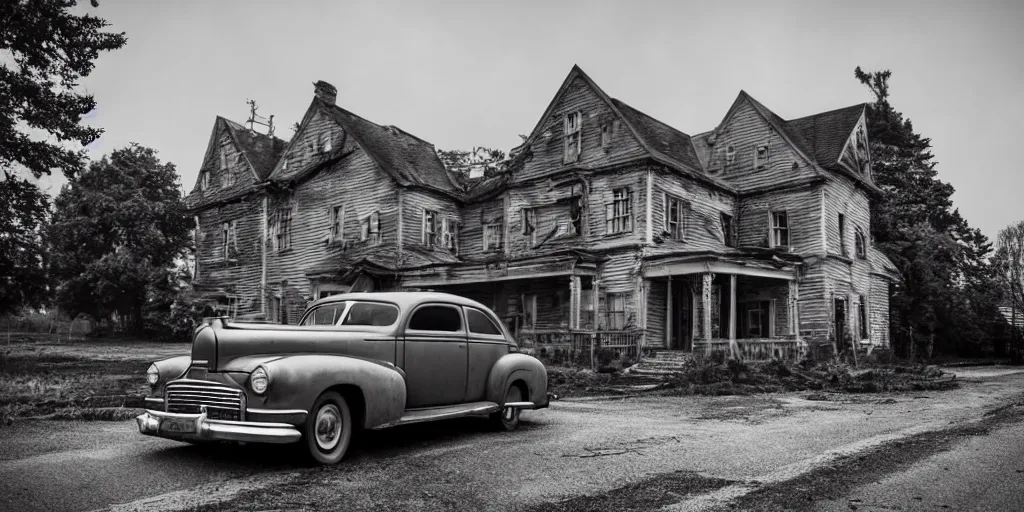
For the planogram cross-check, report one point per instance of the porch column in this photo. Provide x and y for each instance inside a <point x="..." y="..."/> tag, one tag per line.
<point x="733" y="346"/>
<point x="706" y="302"/>
<point x="668" y="313"/>
<point x="794" y="308"/>
<point x="596" y="287"/>
<point x="574" y="302"/>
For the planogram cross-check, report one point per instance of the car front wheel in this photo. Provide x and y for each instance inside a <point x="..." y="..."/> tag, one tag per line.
<point x="508" y="418"/>
<point x="328" y="428"/>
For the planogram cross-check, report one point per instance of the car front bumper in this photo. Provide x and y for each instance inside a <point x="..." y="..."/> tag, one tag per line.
<point x="197" y="427"/>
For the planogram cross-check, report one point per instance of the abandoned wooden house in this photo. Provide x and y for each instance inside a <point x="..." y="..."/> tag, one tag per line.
<point x="605" y="224"/>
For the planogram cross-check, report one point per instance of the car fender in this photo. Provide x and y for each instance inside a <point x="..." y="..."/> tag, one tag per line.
<point x="171" y="368"/>
<point x="513" y="367"/>
<point x="296" y="382"/>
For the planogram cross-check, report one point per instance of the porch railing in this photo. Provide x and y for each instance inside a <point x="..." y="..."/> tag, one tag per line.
<point x="757" y="349"/>
<point x="628" y="343"/>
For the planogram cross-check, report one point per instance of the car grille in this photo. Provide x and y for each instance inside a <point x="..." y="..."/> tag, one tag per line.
<point x="221" y="402"/>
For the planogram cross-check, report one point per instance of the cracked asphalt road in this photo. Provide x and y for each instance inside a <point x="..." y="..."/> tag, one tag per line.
<point x="729" y="445"/>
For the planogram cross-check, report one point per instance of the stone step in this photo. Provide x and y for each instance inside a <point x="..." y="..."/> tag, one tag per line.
<point x="652" y="372"/>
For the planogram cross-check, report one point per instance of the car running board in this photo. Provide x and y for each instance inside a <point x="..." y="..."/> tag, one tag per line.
<point x="448" y="412"/>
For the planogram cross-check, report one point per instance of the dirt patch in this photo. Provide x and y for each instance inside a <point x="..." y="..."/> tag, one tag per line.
<point x="651" y="493"/>
<point x="851" y="471"/>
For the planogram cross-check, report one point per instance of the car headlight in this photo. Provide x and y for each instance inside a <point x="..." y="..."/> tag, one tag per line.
<point x="259" y="380"/>
<point x="152" y="375"/>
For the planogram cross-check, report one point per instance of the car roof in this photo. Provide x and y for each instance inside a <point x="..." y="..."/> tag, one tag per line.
<point x="403" y="300"/>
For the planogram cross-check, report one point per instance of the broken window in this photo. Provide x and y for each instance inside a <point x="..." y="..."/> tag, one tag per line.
<point x="675" y="217"/>
<point x="760" y="155"/>
<point x="860" y="243"/>
<point x="615" y="311"/>
<point x="337" y="223"/>
<point x="450" y="235"/>
<point x="429" y="235"/>
<point x="576" y="214"/>
<point x="842" y="235"/>
<point x="573" y="139"/>
<point x="492" y="237"/>
<point x="618" y="217"/>
<point x="530" y="224"/>
<point x="606" y="134"/>
<point x="730" y="154"/>
<point x="284" y="229"/>
<point x="780" y="229"/>
<point x="369" y="228"/>
<point x="862" y="314"/>
<point x="728" y="230"/>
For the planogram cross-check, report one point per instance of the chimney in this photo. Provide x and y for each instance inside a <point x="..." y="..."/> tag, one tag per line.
<point x="325" y="91"/>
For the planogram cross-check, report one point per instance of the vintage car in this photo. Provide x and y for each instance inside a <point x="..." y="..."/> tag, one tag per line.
<point x="358" y="360"/>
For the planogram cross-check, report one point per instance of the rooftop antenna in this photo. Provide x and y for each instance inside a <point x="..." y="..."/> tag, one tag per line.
<point x="255" y="119"/>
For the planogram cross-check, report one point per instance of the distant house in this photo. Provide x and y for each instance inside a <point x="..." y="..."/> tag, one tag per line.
<point x="606" y="220"/>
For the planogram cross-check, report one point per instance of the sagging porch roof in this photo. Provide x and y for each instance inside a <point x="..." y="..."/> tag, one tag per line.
<point x="757" y="262"/>
<point x="560" y="263"/>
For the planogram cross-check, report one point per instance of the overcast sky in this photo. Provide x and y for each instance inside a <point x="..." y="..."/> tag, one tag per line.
<point x="476" y="73"/>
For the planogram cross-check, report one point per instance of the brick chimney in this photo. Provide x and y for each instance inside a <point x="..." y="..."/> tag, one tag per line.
<point x="325" y="91"/>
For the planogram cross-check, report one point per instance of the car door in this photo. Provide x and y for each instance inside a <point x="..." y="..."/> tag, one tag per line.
<point x="487" y="343"/>
<point x="436" y="356"/>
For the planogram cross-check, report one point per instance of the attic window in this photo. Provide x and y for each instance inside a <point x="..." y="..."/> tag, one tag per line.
<point x="223" y="157"/>
<point x="325" y="143"/>
<point x="761" y="155"/>
<point x="573" y="139"/>
<point x="607" y="129"/>
<point x="204" y="180"/>
<point x="730" y="154"/>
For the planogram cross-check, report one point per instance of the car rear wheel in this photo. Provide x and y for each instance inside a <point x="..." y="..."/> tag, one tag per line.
<point x="508" y="418"/>
<point x="328" y="428"/>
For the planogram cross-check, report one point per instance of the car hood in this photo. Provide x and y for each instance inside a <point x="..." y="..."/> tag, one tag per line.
<point x="247" y="364"/>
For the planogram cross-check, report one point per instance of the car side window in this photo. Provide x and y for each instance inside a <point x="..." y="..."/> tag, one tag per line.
<point x="436" y="318"/>
<point x="480" y="323"/>
<point x="371" y="313"/>
<point x="327" y="314"/>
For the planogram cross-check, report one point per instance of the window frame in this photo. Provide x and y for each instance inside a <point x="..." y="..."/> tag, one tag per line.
<point x="609" y="300"/>
<point x="428" y="233"/>
<point x="325" y="143"/>
<point x="573" y="138"/>
<point x="728" y="229"/>
<point x="204" y="180"/>
<point x="352" y="303"/>
<point x="860" y="243"/>
<point x="462" y="319"/>
<point x="841" y="220"/>
<point x="337" y="227"/>
<point x="529" y="302"/>
<point x="679" y="233"/>
<point x="777" y="230"/>
<point x="494" y="323"/>
<point x="371" y="233"/>
<point x="760" y="162"/>
<point x="229" y="238"/>
<point x="607" y="131"/>
<point x="862" y="319"/>
<point x="498" y="229"/>
<point x="283" y="228"/>
<point x="528" y="218"/>
<point x="450" y="234"/>
<point x="619" y="212"/>
<point x="730" y="154"/>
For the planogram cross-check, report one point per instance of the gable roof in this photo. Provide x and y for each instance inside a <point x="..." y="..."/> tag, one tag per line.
<point x="662" y="143"/>
<point x="409" y="160"/>
<point x="260" y="152"/>
<point x="824" y="135"/>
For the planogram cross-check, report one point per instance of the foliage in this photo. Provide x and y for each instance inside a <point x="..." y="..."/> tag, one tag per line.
<point x="948" y="301"/>
<point x="1009" y="263"/>
<point x="480" y="162"/>
<point x="47" y="49"/>
<point x="23" y="210"/>
<point x="117" y="232"/>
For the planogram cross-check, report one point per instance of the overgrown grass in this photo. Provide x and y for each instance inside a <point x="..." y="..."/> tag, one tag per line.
<point x="61" y="387"/>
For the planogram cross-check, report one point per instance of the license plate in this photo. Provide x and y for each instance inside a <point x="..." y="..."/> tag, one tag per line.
<point x="178" y="426"/>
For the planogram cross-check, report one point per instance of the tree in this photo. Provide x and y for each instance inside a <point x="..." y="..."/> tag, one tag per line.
<point x="1009" y="264"/>
<point x="946" y="302"/>
<point x="47" y="50"/>
<point x="117" y="231"/>
<point x="484" y="161"/>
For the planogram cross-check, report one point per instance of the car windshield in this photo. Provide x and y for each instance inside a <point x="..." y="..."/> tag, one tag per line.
<point x="326" y="314"/>
<point x="377" y="314"/>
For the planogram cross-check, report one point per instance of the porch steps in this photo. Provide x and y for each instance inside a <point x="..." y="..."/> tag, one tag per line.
<point x="663" y="364"/>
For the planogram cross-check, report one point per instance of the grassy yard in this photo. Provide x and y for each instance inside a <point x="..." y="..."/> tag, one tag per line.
<point x="43" y="376"/>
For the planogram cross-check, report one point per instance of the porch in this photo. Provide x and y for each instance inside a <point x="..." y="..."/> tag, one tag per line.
<point x="745" y="309"/>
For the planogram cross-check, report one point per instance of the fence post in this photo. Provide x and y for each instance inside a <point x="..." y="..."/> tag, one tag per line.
<point x="593" y="341"/>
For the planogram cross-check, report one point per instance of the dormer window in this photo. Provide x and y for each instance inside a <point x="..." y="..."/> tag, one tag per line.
<point x="760" y="155"/>
<point x="573" y="138"/>
<point x="223" y="157"/>
<point x="204" y="180"/>
<point x="730" y="154"/>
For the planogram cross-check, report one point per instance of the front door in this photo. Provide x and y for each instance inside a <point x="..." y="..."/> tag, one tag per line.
<point x="840" y="323"/>
<point x="436" y="356"/>
<point x="681" y="317"/>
